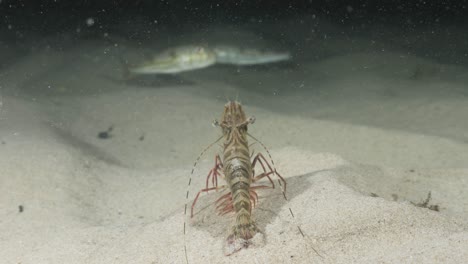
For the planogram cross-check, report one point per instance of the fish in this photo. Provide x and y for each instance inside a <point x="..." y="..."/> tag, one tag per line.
<point x="248" y="56"/>
<point x="176" y="60"/>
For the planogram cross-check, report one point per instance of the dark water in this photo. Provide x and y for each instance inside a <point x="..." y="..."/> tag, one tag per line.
<point x="374" y="64"/>
<point x="437" y="26"/>
<point x="389" y="65"/>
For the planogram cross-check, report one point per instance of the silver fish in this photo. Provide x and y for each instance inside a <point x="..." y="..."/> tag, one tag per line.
<point x="247" y="56"/>
<point x="178" y="59"/>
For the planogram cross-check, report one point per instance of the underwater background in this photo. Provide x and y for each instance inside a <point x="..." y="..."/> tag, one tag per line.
<point x="106" y="105"/>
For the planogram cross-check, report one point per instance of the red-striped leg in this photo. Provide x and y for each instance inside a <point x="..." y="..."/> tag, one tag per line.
<point x="215" y="172"/>
<point x="204" y="190"/>
<point x="267" y="173"/>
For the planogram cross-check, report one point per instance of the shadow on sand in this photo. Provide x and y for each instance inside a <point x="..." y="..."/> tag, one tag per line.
<point x="270" y="202"/>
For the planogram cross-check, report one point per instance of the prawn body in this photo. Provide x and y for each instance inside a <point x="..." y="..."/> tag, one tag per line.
<point x="236" y="167"/>
<point x="238" y="174"/>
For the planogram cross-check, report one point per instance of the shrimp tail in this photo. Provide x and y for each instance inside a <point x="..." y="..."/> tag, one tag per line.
<point x="240" y="236"/>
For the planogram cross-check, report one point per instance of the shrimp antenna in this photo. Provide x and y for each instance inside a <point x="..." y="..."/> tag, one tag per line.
<point x="1" y="104"/>
<point x="188" y="189"/>
<point x="283" y="190"/>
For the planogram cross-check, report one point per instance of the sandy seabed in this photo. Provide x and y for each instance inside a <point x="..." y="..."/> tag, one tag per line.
<point x="361" y="136"/>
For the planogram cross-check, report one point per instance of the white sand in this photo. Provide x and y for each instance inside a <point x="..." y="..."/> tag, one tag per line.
<point x="340" y="130"/>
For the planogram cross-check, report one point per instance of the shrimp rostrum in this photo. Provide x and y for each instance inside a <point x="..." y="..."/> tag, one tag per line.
<point x="236" y="167"/>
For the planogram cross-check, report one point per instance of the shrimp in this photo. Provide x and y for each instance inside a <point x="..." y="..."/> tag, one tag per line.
<point x="236" y="167"/>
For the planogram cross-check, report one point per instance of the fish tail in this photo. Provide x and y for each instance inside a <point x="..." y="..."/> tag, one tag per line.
<point x="113" y="41"/>
<point x="126" y="74"/>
